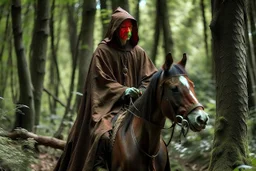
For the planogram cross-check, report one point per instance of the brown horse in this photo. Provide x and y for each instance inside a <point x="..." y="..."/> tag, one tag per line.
<point x="138" y="144"/>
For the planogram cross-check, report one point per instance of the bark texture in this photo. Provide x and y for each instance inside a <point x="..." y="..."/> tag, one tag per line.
<point x="86" y="47"/>
<point x="230" y="138"/>
<point x="167" y="35"/>
<point x="39" y="52"/>
<point x="251" y="62"/>
<point x="25" y="108"/>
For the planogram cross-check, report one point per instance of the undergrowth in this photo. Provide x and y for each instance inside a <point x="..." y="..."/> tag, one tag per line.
<point x="16" y="155"/>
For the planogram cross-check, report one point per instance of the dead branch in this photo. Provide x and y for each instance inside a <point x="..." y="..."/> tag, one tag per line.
<point x="41" y="140"/>
<point x="55" y="98"/>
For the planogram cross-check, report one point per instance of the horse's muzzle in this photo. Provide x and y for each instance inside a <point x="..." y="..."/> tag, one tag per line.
<point x="198" y="120"/>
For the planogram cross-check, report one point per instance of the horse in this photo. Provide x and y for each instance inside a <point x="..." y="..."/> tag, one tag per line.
<point x="138" y="144"/>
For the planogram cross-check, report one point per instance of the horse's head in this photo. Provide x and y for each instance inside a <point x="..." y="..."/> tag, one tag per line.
<point x="177" y="98"/>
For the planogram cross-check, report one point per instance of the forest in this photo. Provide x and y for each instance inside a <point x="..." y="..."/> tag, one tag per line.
<point x="45" y="52"/>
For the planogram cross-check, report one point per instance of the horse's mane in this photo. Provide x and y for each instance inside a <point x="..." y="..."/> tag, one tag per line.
<point x="146" y="104"/>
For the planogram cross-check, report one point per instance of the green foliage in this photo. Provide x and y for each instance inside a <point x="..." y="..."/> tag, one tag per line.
<point x="7" y="110"/>
<point x="16" y="155"/>
<point x="244" y="167"/>
<point x="5" y="2"/>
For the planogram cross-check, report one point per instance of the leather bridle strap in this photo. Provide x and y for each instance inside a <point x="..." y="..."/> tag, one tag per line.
<point x="191" y="108"/>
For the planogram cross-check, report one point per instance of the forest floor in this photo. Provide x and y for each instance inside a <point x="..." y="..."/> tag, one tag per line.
<point x="47" y="161"/>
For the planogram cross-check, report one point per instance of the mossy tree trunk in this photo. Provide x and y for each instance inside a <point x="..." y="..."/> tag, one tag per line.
<point x="230" y="138"/>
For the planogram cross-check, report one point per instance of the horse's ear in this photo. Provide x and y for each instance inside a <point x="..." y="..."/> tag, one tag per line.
<point x="168" y="62"/>
<point x="183" y="61"/>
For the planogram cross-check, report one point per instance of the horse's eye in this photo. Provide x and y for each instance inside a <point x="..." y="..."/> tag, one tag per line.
<point x="175" y="89"/>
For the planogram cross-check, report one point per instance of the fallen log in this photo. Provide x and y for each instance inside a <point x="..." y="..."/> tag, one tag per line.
<point x="21" y="133"/>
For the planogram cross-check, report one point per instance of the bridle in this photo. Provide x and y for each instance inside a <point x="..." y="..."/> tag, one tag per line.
<point x="178" y="119"/>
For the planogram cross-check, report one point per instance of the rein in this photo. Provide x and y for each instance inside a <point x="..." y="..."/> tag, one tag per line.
<point x="155" y="125"/>
<point x="138" y="146"/>
<point x="184" y="124"/>
<point x="184" y="129"/>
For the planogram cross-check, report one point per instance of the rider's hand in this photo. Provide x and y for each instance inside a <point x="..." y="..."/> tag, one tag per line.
<point x="132" y="92"/>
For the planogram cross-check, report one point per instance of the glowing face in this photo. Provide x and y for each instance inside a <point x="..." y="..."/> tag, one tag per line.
<point x="125" y="31"/>
<point x="185" y="82"/>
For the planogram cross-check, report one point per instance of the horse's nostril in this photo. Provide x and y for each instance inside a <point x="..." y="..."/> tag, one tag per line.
<point x="207" y="118"/>
<point x="199" y="120"/>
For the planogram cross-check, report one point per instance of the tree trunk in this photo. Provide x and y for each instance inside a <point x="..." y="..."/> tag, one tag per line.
<point x="167" y="35"/>
<point x="54" y="76"/>
<point x="73" y="37"/>
<point x="104" y="15"/>
<point x="137" y="13"/>
<point x="25" y="109"/>
<point x="208" y="58"/>
<point x="86" y="47"/>
<point x="252" y="53"/>
<point x="39" y="52"/>
<point x="251" y="58"/>
<point x="85" y="53"/>
<point x="120" y="3"/>
<point x="156" y="34"/>
<point x="4" y="68"/>
<point x="230" y="137"/>
<point x="72" y="30"/>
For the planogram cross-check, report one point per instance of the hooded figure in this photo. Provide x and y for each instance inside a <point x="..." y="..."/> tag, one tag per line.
<point x="119" y="68"/>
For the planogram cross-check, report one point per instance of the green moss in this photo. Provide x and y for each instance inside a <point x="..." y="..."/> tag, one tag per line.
<point x="16" y="155"/>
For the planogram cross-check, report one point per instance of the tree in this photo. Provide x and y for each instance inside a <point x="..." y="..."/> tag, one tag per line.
<point x="84" y="55"/>
<point x="165" y="22"/>
<point x="39" y="52"/>
<point x="5" y="63"/>
<point x="54" y="76"/>
<point x="208" y="59"/>
<point x="25" y="109"/>
<point x="251" y="60"/>
<point x="86" y="48"/>
<point x="162" y="22"/>
<point x="230" y="137"/>
<point x="122" y="3"/>
<point x="104" y="15"/>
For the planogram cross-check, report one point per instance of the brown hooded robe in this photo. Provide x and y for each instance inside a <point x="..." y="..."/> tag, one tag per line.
<point x="112" y="70"/>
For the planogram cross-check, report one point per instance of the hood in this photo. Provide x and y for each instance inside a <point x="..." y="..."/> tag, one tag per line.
<point x="117" y="18"/>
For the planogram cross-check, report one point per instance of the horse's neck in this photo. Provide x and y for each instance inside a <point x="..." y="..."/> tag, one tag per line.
<point x="147" y="127"/>
<point x="147" y="133"/>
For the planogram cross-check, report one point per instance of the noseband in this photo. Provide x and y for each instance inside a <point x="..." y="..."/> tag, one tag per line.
<point x="177" y="118"/>
<point x="174" y="114"/>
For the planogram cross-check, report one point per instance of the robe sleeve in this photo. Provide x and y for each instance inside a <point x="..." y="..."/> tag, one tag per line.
<point x="105" y="88"/>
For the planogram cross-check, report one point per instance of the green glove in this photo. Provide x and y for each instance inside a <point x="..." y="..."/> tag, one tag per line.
<point x="132" y="92"/>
